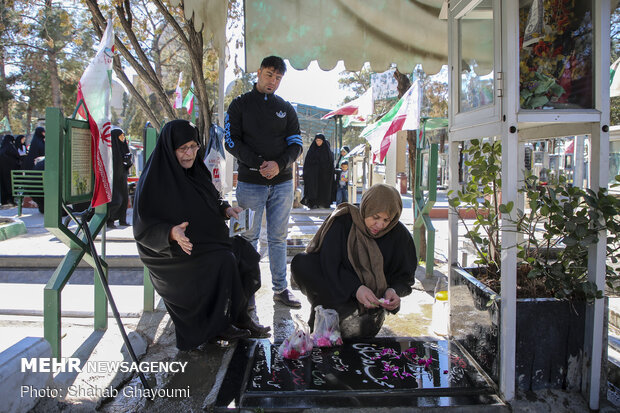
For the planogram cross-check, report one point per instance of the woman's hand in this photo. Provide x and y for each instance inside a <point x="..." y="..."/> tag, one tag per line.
<point x="393" y="300"/>
<point x="233" y="212"/>
<point x="366" y="297"/>
<point x="177" y="233"/>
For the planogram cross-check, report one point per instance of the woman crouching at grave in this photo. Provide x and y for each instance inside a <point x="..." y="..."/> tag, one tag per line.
<point x="204" y="276"/>
<point x="360" y="262"/>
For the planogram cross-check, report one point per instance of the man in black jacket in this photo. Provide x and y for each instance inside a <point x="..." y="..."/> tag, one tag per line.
<point x="262" y="132"/>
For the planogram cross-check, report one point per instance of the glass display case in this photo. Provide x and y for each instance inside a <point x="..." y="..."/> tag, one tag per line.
<point x="476" y="43"/>
<point x="555" y="54"/>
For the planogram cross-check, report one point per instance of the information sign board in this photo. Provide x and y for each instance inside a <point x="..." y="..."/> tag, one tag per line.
<point x="79" y="178"/>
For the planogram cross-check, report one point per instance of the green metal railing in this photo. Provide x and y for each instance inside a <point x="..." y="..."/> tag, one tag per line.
<point x="26" y="183"/>
<point x="56" y="179"/>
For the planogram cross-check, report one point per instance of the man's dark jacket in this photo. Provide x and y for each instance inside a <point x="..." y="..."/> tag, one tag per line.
<point x="262" y="127"/>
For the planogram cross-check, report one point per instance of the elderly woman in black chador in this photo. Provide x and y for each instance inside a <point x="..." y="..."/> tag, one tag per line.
<point x="360" y="262"/>
<point x="36" y="149"/>
<point x="9" y="160"/>
<point x="204" y="277"/>
<point x="318" y="174"/>
<point x="121" y="162"/>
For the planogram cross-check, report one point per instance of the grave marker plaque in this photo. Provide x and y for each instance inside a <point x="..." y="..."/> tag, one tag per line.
<point x="78" y="185"/>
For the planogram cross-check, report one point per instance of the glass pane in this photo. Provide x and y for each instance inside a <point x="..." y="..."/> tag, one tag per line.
<point x="476" y="63"/>
<point x="555" y="67"/>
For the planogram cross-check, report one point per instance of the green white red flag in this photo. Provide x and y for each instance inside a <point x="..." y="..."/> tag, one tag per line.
<point x="362" y="107"/>
<point x="405" y="115"/>
<point x="95" y="90"/>
<point x="188" y="102"/>
<point x="178" y="93"/>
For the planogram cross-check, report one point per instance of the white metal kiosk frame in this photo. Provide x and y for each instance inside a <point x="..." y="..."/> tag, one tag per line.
<point x="495" y="25"/>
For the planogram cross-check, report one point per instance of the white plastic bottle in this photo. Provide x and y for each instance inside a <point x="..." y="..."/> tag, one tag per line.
<point x="441" y="308"/>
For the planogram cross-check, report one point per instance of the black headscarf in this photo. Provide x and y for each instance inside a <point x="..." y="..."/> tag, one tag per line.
<point x="319" y="154"/>
<point x="7" y="148"/>
<point x="18" y="142"/>
<point x="37" y="148"/>
<point x="120" y="150"/>
<point x="168" y="194"/>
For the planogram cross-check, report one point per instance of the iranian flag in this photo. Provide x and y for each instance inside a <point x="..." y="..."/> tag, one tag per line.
<point x="95" y="90"/>
<point x="405" y="115"/>
<point x="362" y="107"/>
<point x="188" y="102"/>
<point x="178" y="93"/>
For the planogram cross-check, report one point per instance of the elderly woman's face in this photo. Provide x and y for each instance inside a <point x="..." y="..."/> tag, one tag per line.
<point x="377" y="222"/>
<point x="186" y="154"/>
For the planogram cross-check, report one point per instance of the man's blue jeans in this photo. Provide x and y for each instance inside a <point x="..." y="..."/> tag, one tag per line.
<point x="278" y="201"/>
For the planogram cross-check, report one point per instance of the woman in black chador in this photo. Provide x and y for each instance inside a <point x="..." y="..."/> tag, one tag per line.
<point x="204" y="277"/>
<point x="318" y="174"/>
<point x="360" y="262"/>
<point x="36" y="149"/>
<point x="121" y="162"/>
<point x="20" y="144"/>
<point x="9" y="160"/>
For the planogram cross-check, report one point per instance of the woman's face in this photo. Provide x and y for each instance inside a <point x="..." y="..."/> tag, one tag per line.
<point x="319" y="142"/>
<point x="121" y="137"/>
<point x="186" y="154"/>
<point x="377" y="222"/>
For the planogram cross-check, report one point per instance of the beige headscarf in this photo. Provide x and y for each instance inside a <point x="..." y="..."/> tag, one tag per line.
<point x="362" y="249"/>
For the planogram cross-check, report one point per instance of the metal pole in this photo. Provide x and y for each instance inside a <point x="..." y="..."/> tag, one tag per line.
<point x="104" y="282"/>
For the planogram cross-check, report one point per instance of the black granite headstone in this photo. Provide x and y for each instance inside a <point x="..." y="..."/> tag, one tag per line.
<point x="376" y="372"/>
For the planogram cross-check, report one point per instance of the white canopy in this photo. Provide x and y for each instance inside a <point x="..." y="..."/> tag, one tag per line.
<point x="405" y="32"/>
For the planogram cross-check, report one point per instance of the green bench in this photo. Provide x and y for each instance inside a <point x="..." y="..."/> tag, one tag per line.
<point x="26" y="183"/>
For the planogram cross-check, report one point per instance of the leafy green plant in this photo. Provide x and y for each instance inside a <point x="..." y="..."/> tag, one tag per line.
<point x="562" y="223"/>
<point x="539" y="91"/>
<point x="481" y="195"/>
<point x="557" y="229"/>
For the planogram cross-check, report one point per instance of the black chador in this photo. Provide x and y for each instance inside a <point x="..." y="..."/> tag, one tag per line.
<point x="204" y="292"/>
<point x="318" y="174"/>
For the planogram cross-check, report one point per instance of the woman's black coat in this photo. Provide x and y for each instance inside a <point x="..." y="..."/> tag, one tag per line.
<point x="37" y="148"/>
<point x="121" y="162"/>
<point x="318" y="176"/>
<point x="9" y="160"/>
<point x="208" y="290"/>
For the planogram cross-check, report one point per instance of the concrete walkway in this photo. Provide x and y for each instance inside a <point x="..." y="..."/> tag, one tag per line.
<point x="28" y="260"/>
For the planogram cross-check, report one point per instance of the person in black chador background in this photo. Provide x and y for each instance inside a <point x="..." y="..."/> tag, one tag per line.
<point x="204" y="276"/>
<point x="360" y="262"/>
<point x="318" y="174"/>
<point x="9" y="160"/>
<point x="36" y="149"/>
<point x="121" y="162"/>
<point x="20" y="144"/>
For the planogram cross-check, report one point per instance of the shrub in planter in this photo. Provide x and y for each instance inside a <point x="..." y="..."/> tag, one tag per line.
<point x="558" y="226"/>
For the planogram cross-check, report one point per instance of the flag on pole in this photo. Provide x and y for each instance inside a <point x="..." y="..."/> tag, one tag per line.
<point x="188" y="102"/>
<point x="405" y="115"/>
<point x="362" y="107"/>
<point x="95" y="90"/>
<point x="4" y="125"/>
<point x="178" y="93"/>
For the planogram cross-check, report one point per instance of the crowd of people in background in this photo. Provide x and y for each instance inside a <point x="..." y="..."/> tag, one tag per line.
<point x="16" y="155"/>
